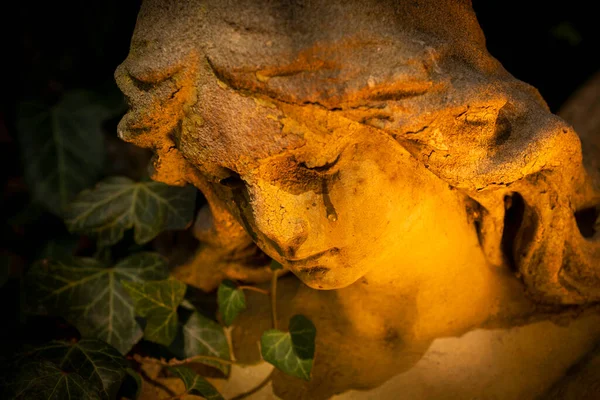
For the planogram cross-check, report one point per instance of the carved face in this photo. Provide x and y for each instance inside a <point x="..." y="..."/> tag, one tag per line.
<point x="335" y="144"/>
<point x="325" y="196"/>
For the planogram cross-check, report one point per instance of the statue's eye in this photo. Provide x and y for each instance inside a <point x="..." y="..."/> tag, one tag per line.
<point x="141" y="84"/>
<point x="321" y="168"/>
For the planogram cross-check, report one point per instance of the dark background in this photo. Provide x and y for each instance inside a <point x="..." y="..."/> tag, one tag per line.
<point x="56" y="46"/>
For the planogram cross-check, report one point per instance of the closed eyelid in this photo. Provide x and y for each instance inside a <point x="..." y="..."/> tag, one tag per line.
<point x="134" y="82"/>
<point x="322" y="168"/>
<point x="129" y="84"/>
<point x="144" y="84"/>
<point x="149" y="74"/>
<point x="329" y="165"/>
<point x="140" y="93"/>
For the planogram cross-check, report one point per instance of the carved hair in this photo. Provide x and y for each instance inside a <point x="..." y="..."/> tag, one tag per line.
<point x="443" y="98"/>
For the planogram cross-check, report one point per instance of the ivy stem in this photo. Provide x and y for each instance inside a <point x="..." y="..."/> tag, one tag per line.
<point x="254" y="289"/>
<point x="230" y="342"/>
<point x="173" y="362"/>
<point x="274" y="299"/>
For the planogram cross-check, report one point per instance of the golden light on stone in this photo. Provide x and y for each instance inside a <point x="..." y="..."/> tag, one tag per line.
<point x="422" y="197"/>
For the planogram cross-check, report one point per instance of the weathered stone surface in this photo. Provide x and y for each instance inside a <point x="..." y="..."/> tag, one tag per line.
<point x="373" y="147"/>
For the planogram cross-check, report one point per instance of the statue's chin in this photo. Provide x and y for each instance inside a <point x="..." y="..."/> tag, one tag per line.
<point x="322" y="278"/>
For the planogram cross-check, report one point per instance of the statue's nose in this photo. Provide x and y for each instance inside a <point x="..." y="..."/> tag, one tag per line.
<point x="286" y="237"/>
<point x="278" y="217"/>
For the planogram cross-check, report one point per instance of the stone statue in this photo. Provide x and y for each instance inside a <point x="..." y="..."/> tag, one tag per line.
<point x="373" y="147"/>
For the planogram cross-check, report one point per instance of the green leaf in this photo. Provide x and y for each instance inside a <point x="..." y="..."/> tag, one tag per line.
<point x="90" y="295"/>
<point x="195" y="384"/>
<point x="44" y="380"/>
<point x="203" y="336"/>
<point x="157" y="301"/>
<point x="99" y="364"/>
<point x="291" y="352"/>
<point x="62" y="146"/>
<point x="231" y="301"/>
<point x="118" y="203"/>
<point x="94" y="360"/>
<point x="275" y="265"/>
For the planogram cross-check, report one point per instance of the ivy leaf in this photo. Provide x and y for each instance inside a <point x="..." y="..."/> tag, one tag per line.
<point x="157" y="301"/>
<point x="117" y="204"/>
<point x="291" y="352"/>
<point x="203" y="336"/>
<point x="99" y="365"/>
<point x="90" y="295"/>
<point x="195" y="384"/>
<point x="62" y="146"/>
<point x="44" y="380"/>
<point x="231" y="301"/>
<point x="97" y="362"/>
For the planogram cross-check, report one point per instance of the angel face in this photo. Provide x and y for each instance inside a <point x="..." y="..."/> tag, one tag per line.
<point x="327" y="197"/>
<point x="333" y="145"/>
<point x="331" y="190"/>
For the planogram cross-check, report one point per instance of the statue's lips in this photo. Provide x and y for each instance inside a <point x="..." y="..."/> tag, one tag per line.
<point x="320" y="270"/>
<point x="296" y="262"/>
